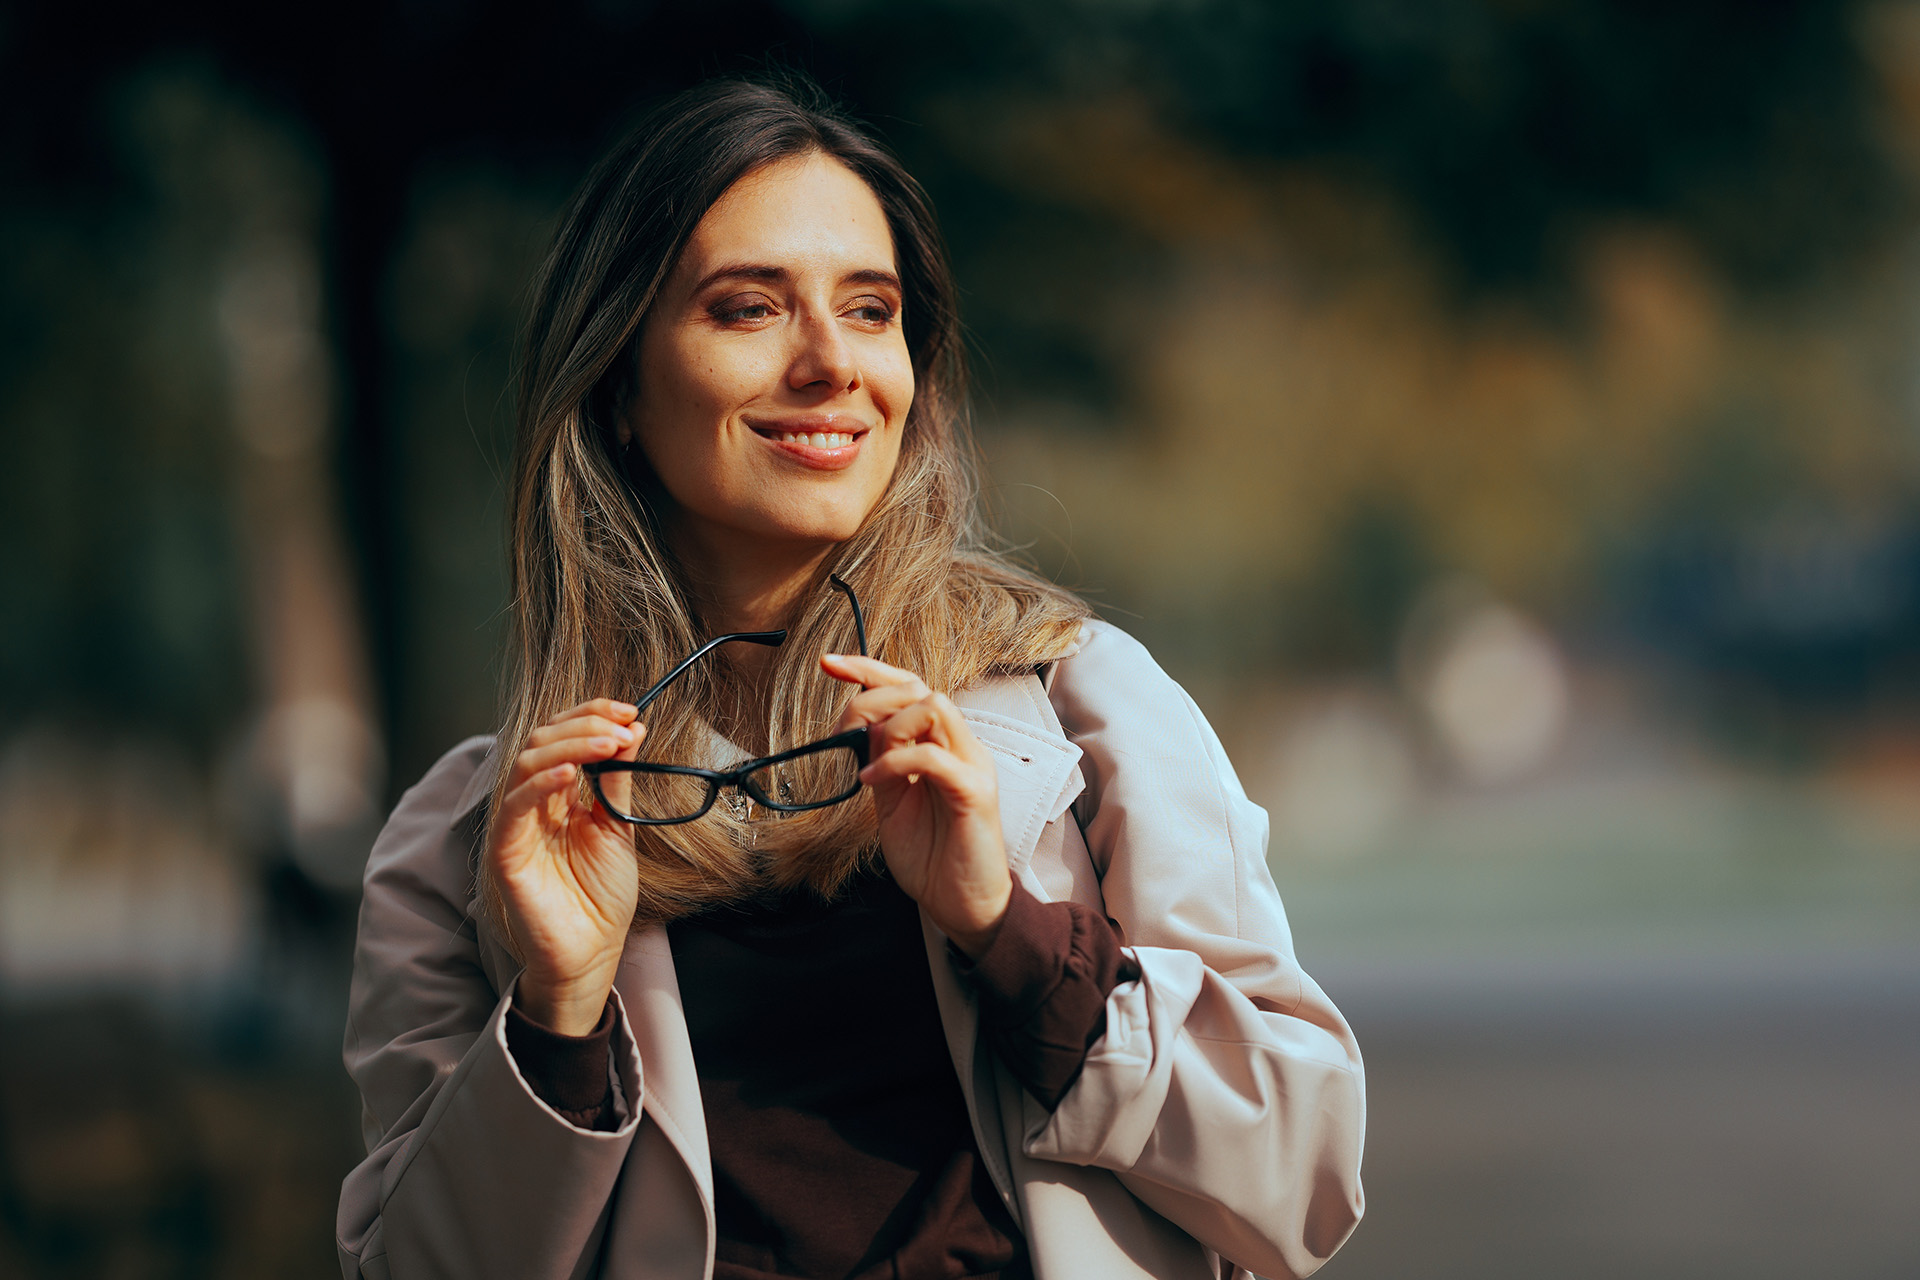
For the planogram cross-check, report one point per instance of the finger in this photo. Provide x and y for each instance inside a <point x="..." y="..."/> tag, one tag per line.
<point x="527" y="799"/>
<point x="870" y="672"/>
<point x="566" y="751"/>
<point x="585" y="726"/>
<point x="934" y="718"/>
<point x="930" y="762"/>
<point x="611" y="708"/>
<point x="876" y="705"/>
<point x="912" y="723"/>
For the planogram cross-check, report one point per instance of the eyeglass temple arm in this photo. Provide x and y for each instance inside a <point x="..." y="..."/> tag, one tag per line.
<point x="768" y="638"/>
<point x="859" y="623"/>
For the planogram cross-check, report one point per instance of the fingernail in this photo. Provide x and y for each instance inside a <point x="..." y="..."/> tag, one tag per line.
<point x="623" y="733"/>
<point x="625" y="709"/>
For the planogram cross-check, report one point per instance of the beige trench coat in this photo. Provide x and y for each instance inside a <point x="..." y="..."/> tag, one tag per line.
<point x="1220" y="1116"/>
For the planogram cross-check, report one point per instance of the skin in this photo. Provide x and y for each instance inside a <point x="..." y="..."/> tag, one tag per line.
<point x="782" y="315"/>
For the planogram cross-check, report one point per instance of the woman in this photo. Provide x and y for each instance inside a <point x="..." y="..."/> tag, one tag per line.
<point x="915" y="924"/>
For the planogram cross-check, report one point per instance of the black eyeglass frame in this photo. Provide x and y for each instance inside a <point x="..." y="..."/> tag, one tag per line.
<point x="738" y="778"/>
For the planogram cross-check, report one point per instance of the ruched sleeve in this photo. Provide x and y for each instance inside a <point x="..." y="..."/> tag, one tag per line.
<point x="1043" y="986"/>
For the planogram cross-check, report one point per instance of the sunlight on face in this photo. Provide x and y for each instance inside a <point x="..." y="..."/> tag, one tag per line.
<point x="774" y="374"/>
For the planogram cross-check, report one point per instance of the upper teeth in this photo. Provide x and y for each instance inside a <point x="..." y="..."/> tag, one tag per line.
<point x="818" y="439"/>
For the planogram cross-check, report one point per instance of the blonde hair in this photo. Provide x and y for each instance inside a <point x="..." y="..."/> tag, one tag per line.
<point x="600" y="606"/>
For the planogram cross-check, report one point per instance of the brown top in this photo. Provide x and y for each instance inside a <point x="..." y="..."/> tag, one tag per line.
<point x="847" y="1150"/>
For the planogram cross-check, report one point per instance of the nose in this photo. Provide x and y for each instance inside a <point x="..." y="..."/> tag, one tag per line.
<point x="822" y="360"/>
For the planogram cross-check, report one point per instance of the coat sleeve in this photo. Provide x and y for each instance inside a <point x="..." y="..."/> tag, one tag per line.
<point x="468" y="1173"/>
<point x="1227" y="1092"/>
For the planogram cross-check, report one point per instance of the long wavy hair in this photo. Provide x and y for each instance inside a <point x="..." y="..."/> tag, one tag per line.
<point x="601" y="607"/>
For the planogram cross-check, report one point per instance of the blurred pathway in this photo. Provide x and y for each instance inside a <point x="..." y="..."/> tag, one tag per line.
<point x="1750" y="1116"/>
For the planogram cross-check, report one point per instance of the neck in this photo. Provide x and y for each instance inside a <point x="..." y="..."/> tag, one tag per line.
<point x="741" y="583"/>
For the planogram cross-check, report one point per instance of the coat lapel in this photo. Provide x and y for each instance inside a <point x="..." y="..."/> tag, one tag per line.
<point x="651" y="991"/>
<point x="1039" y="777"/>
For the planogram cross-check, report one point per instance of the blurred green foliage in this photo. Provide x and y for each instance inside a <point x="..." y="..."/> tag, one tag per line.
<point x="120" y="570"/>
<point x="1469" y="151"/>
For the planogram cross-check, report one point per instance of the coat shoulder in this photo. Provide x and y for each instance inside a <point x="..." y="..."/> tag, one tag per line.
<point x="426" y="846"/>
<point x="1109" y="682"/>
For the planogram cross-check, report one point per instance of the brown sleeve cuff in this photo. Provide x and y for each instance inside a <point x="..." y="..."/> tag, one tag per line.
<point x="1043" y="985"/>
<point x="568" y="1073"/>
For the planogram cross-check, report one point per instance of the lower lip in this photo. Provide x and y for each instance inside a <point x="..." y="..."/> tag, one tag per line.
<point x="818" y="459"/>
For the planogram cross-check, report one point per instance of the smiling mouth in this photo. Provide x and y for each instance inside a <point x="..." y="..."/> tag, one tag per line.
<point x="815" y="450"/>
<point x="815" y="439"/>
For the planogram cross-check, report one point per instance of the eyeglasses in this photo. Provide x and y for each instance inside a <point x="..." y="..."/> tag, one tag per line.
<point x="819" y="774"/>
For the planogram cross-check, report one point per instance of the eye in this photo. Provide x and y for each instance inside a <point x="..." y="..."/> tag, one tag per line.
<point x="874" y="311"/>
<point x="748" y="309"/>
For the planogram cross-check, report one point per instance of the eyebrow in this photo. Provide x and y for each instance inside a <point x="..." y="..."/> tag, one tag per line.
<point x="756" y="271"/>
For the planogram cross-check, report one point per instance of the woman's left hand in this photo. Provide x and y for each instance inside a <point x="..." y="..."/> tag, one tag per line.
<point x="937" y="797"/>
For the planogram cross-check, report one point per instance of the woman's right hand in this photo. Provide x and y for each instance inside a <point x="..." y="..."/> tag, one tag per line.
<point x="566" y="871"/>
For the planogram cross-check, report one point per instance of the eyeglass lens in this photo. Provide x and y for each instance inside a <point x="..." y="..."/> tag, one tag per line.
<point x="807" y="781"/>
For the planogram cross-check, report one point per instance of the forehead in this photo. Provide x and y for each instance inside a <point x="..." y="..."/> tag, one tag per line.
<point x="804" y="213"/>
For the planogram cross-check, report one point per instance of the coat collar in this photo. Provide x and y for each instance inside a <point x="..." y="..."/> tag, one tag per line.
<point x="1038" y="768"/>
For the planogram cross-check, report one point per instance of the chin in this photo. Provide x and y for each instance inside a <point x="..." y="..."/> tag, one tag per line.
<point x="815" y="523"/>
<point x="828" y="534"/>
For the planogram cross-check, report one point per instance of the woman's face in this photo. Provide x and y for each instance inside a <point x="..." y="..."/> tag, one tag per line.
<point x="774" y="376"/>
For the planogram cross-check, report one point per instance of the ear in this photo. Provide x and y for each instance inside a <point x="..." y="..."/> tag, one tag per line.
<point x="615" y="396"/>
<point x="624" y="433"/>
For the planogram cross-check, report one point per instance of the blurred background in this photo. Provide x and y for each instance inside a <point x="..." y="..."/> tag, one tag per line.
<point x="1503" y="415"/>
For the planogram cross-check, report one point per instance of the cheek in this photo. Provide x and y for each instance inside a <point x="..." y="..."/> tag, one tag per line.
<point x="892" y="383"/>
<point x="687" y="393"/>
<point x="703" y="382"/>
